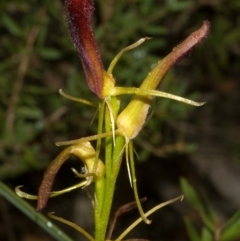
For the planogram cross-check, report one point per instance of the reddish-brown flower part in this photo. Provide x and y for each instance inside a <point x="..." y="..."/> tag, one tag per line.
<point x="79" y="15"/>
<point x="85" y="152"/>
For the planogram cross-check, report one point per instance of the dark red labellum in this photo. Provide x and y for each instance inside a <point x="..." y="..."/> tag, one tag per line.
<point x="79" y="14"/>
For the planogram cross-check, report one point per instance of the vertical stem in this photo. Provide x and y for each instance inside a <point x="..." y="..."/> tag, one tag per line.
<point x="110" y="186"/>
<point x="99" y="184"/>
<point x="98" y="202"/>
<point x="113" y="158"/>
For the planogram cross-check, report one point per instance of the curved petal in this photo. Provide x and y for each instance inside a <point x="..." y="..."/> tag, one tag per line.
<point x="79" y="15"/>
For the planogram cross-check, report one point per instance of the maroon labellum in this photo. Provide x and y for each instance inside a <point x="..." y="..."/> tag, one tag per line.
<point x="79" y="14"/>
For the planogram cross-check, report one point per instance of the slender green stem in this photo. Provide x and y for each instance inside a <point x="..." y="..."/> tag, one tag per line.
<point x="100" y="183"/>
<point x="110" y="186"/>
<point x="109" y="145"/>
<point x="100" y="130"/>
<point x="113" y="158"/>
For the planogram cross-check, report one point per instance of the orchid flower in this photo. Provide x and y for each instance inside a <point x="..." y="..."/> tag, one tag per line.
<point x="118" y="129"/>
<point x="131" y="120"/>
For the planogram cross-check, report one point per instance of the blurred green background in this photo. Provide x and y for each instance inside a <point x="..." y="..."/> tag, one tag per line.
<point x="37" y="58"/>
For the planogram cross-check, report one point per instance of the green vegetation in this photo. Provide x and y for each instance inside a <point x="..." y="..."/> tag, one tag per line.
<point x="37" y="58"/>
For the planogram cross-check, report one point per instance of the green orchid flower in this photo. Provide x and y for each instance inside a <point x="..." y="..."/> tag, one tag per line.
<point x="118" y="127"/>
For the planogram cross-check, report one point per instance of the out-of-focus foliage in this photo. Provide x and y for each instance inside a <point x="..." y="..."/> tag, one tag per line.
<point x="37" y="58"/>
<point x="213" y="228"/>
<point x="34" y="65"/>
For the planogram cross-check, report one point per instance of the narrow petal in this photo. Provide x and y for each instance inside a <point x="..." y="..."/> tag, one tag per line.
<point x="79" y="14"/>
<point x="132" y="119"/>
<point x="180" y="51"/>
<point x="85" y="152"/>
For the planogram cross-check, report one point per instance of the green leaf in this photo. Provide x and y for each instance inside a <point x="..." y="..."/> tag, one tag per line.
<point x="191" y="230"/>
<point x="28" y="112"/>
<point x="231" y="221"/>
<point x="231" y="229"/>
<point x="190" y="195"/>
<point x="210" y="210"/>
<point x="50" y="53"/>
<point x="11" y="25"/>
<point x="194" y="200"/>
<point x="206" y="235"/>
<point x="43" y="34"/>
<point x="175" y="5"/>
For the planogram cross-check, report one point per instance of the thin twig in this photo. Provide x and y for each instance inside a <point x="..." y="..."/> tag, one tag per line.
<point x="22" y="70"/>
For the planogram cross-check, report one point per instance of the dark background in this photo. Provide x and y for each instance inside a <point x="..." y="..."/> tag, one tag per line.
<point x="202" y="144"/>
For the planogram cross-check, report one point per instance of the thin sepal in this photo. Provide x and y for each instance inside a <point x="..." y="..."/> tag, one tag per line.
<point x="151" y="211"/>
<point x="52" y="194"/>
<point x="73" y="98"/>
<point x="73" y="225"/>
<point x="134" y="182"/>
<point x="130" y="47"/>
<point x="156" y="93"/>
